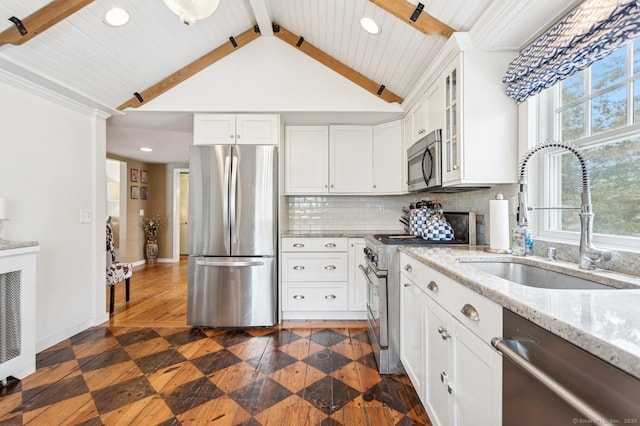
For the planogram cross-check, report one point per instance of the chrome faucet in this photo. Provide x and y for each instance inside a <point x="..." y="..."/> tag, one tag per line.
<point x="589" y="255"/>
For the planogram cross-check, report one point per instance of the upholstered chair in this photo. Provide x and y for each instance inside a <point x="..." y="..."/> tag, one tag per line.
<point x="116" y="272"/>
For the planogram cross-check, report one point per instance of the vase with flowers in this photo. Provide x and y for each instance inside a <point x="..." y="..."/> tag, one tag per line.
<point x="151" y="227"/>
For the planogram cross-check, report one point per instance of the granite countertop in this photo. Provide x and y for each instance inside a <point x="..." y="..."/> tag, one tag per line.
<point x="602" y="322"/>
<point x="338" y="233"/>
<point x="11" y="245"/>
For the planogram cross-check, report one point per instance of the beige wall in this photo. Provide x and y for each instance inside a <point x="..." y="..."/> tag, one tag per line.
<point x="158" y="192"/>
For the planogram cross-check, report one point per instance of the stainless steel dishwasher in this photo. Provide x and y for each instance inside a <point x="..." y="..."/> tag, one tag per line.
<point x="549" y="381"/>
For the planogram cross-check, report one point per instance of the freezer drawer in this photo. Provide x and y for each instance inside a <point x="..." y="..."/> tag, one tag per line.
<point x="232" y="291"/>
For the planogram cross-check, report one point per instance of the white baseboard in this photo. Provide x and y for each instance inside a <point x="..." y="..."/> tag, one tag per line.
<point x="345" y="315"/>
<point x="47" y="342"/>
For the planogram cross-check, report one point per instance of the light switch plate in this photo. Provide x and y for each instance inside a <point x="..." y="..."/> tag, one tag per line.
<point x="141" y="212"/>
<point x="85" y="216"/>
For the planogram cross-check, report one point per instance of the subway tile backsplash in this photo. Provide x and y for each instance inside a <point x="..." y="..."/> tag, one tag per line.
<point x="343" y="212"/>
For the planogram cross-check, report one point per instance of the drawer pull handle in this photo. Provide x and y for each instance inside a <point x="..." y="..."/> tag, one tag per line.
<point x="330" y="267"/>
<point x="330" y="296"/>
<point x="470" y="312"/>
<point x="298" y="268"/>
<point x="407" y="285"/>
<point x="298" y="297"/>
<point x="433" y="287"/>
<point x="408" y="268"/>
<point x="330" y="245"/>
<point x="298" y="245"/>
<point x="444" y="333"/>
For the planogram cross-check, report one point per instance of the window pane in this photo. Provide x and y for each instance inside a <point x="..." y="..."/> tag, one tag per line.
<point x="609" y="70"/>
<point x="573" y="123"/>
<point x="636" y="56"/>
<point x="573" y="88"/>
<point x="615" y="194"/>
<point x="636" y="101"/>
<point x="609" y="110"/>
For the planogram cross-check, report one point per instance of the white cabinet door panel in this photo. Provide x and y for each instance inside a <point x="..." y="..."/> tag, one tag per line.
<point x="351" y="164"/>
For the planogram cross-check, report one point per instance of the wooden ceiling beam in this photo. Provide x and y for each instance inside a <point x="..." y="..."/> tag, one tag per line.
<point x="40" y="20"/>
<point x="337" y="66"/>
<point x="193" y="68"/>
<point x="410" y="14"/>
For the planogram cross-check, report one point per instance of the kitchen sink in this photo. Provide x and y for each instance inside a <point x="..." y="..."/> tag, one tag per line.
<point x="534" y="276"/>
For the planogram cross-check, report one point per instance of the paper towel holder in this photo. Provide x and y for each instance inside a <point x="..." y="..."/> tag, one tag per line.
<point x="494" y="250"/>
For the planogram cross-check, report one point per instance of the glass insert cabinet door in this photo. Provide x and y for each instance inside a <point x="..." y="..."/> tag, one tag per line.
<point x="451" y="152"/>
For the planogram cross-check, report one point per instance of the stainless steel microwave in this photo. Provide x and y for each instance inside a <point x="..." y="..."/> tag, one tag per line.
<point x="424" y="160"/>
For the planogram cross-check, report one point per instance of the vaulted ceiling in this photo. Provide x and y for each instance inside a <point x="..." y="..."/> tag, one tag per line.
<point x="104" y="66"/>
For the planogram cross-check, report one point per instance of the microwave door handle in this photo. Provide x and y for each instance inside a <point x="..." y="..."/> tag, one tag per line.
<point x="424" y="173"/>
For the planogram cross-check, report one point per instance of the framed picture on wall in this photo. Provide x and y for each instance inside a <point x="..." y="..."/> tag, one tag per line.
<point x="134" y="175"/>
<point x="134" y="192"/>
<point x="143" y="176"/>
<point x="143" y="192"/>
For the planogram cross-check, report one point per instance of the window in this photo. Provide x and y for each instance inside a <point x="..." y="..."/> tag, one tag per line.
<point x="598" y="110"/>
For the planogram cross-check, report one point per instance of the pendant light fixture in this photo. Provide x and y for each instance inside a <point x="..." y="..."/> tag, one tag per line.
<point x="191" y="11"/>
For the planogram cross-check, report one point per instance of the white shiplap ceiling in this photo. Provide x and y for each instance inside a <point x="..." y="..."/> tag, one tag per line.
<point x="107" y="65"/>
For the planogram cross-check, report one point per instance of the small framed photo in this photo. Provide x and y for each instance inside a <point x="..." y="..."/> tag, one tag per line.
<point x="143" y="176"/>
<point x="134" y="175"/>
<point x="143" y="192"/>
<point x="134" y="192"/>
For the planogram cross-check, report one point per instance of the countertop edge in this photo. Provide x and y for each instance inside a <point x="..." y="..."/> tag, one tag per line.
<point x="447" y="262"/>
<point x="11" y="248"/>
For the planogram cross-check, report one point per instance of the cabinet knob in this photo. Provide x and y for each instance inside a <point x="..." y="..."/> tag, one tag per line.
<point x="408" y="268"/>
<point x="470" y="312"/>
<point x="298" y="245"/>
<point x="330" y="245"/>
<point x="444" y="333"/>
<point x="455" y="167"/>
<point x="374" y="186"/>
<point x="330" y="267"/>
<point x="443" y="377"/>
<point x="231" y="136"/>
<point x="298" y="268"/>
<point x="238" y="136"/>
<point x="298" y="297"/>
<point x="326" y="186"/>
<point x="330" y="296"/>
<point x="433" y="287"/>
<point x="332" y="185"/>
<point x="450" y="389"/>
<point x="407" y="285"/>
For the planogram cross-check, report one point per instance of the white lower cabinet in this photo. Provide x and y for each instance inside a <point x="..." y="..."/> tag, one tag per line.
<point x="321" y="279"/>
<point x="457" y="374"/>
<point x="413" y="317"/>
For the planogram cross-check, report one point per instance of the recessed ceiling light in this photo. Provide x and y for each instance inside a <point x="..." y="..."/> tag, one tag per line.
<point x="370" y="26"/>
<point x="116" y="17"/>
<point x="146" y="149"/>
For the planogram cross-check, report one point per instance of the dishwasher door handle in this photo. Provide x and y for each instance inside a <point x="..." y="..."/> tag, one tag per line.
<point x="566" y="395"/>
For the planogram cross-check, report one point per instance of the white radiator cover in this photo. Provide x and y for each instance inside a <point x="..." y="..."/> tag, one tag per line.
<point x="17" y="311"/>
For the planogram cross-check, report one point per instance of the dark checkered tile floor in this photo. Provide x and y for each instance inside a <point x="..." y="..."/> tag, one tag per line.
<point x="108" y="376"/>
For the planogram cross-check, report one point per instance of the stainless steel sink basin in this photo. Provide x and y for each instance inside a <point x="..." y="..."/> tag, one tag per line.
<point x="533" y="276"/>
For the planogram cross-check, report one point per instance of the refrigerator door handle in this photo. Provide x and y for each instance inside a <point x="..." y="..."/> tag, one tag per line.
<point x="225" y="199"/>
<point x="233" y="196"/>
<point x="201" y="262"/>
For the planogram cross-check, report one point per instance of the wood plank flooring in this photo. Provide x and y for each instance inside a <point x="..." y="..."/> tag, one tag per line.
<point x="147" y="367"/>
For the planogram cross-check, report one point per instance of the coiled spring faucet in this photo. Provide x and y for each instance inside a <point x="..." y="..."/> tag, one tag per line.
<point x="589" y="255"/>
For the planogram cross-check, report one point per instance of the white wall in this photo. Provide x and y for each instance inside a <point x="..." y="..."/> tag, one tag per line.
<point x="52" y="166"/>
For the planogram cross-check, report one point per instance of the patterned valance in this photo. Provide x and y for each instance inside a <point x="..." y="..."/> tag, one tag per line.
<point x="591" y="31"/>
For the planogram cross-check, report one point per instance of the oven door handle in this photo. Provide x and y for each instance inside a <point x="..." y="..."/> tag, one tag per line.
<point x="366" y="274"/>
<point x="566" y="395"/>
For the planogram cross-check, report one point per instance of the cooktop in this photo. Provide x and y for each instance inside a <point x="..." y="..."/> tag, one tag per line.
<point x="406" y="239"/>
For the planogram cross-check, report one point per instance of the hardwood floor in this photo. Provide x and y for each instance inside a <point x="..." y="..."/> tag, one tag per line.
<point x="147" y="367"/>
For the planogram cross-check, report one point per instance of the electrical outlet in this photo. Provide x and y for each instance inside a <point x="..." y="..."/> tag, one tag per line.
<point x="85" y="216"/>
<point x="381" y="208"/>
<point x="141" y="212"/>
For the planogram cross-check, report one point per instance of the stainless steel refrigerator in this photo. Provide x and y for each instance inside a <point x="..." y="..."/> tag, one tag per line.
<point x="232" y="280"/>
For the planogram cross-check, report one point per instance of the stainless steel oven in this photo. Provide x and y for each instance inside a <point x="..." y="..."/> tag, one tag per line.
<point x="424" y="163"/>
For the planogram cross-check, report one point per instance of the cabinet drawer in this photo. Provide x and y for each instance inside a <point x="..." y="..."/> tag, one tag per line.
<point x="301" y="298"/>
<point x="462" y="302"/>
<point x="314" y="267"/>
<point x="314" y="244"/>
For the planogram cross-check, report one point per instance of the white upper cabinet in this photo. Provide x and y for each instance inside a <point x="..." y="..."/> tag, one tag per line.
<point x="389" y="164"/>
<point x="351" y="159"/>
<point x="344" y="159"/>
<point x="230" y="129"/>
<point x="419" y="119"/>
<point x="480" y="122"/>
<point x="435" y="107"/>
<point x="306" y="168"/>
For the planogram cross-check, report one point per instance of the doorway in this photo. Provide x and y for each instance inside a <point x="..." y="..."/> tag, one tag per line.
<point x="180" y="212"/>
<point x="117" y="204"/>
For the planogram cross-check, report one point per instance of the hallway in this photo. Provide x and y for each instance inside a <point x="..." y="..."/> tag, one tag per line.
<point x="147" y="367"/>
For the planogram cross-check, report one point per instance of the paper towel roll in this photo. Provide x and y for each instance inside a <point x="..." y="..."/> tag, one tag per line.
<point x="499" y="225"/>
